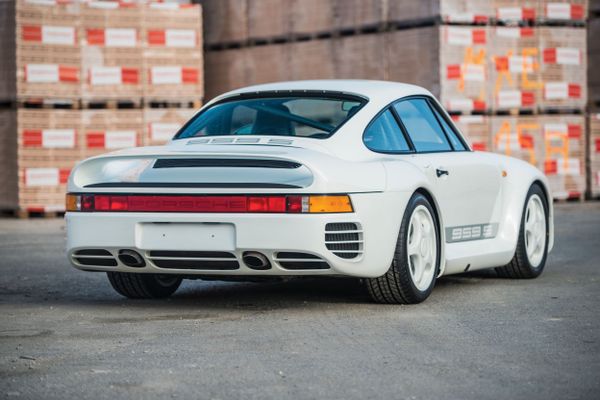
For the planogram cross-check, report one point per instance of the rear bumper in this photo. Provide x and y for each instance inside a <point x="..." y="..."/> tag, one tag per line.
<point x="377" y="217"/>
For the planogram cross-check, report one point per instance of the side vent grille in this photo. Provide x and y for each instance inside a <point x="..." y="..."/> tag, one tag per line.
<point x="298" y="261"/>
<point x="200" y="260"/>
<point x="344" y="239"/>
<point x="95" y="257"/>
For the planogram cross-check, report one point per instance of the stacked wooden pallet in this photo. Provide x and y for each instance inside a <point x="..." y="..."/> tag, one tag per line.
<point x="89" y="78"/>
<point x="509" y="63"/>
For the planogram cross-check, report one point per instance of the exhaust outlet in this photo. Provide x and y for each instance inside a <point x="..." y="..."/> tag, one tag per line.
<point x="256" y="260"/>
<point x="131" y="258"/>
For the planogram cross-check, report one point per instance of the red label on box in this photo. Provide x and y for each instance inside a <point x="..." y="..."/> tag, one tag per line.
<point x="479" y="105"/>
<point x="576" y="11"/>
<point x="501" y="63"/>
<point x="31" y="33"/>
<point x="453" y="71"/>
<point x="479" y="36"/>
<point x="68" y="74"/>
<point x="130" y="75"/>
<point x="550" y="167"/>
<point x="479" y="146"/>
<point x="574" y="131"/>
<point x="32" y="138"/>
<point x="528" y="13"/>
<point x="526" y="32"/>
<point x="157" y="37"/>
<point x="189" y="75"/>
<point x="597" y="145"/>
<point x="94" y="140"/>
<point x="64" y="175"/>
<point x="526" y="141"/>
<point x="549" y="56"/>
<point x="95" y="36"/>
<point x="527" y="98"/>
<point x="574" y="90"/>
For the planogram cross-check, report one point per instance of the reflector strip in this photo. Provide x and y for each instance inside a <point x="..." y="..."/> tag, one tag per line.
<point x="211" y="203"/>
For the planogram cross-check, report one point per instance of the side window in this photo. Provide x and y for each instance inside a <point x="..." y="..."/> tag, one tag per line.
<point x="422" y="126"/>
<point x="456" y="143"/>
<point x="385" y="135"/>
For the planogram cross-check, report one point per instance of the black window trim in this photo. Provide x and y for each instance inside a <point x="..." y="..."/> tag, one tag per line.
<point x="400" y="125"/>
<point x="432" y="103"/>
<point x="324" y="94"/>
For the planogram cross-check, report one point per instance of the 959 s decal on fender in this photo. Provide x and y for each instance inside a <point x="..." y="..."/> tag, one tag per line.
<point x="471" y="232"/>
<point x="363" y="179"/>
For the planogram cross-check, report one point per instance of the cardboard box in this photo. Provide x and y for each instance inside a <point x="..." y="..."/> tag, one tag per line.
<point x="108" y="130"/>
<point x="514" y="68"/>
<point x="476" y="130"/>
<point x="553" y="143"/>
<point x="173" y="56"/>
<point x="161" y="124"/>
<point x="463" y="68"/>
<point x="48" y="146"/>
<point x="563" y="11"/>
<point x="563" y="68"/>
<point x="111" y="51"/>
<point x="47" y="50"/>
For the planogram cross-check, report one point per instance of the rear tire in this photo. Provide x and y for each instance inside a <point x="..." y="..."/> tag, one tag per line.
<point x="411" y="277"/>
<point x="144" y="286"/>
<point x="532" y="246"/>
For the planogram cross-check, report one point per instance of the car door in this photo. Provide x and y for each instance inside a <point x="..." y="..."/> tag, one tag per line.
<point x="466" y="184"/>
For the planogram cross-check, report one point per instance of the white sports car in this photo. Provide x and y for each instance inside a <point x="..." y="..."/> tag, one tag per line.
<point x="344" y="178"/>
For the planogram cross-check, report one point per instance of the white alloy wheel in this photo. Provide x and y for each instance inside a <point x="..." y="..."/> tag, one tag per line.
<point x="421" y="245"/>
<point x="535" y="230"/>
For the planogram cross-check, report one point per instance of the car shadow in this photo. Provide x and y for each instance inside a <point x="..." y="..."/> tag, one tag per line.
<point x="218" y="295"/>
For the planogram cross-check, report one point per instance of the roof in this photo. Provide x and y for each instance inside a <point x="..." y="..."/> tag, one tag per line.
<point x="381" y="90"/>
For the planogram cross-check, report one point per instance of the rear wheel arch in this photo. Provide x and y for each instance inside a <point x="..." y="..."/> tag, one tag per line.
<point x="440" y="226"/>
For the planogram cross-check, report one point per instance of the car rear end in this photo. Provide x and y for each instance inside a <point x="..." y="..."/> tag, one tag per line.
<point x="220" y="209"/>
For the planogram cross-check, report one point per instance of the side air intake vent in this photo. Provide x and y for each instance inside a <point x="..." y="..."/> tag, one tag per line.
<point x="200" y="260"/>
<point x="344" y="239"/>
<point x="298" y="261"/>
<point x="95" y="257"/>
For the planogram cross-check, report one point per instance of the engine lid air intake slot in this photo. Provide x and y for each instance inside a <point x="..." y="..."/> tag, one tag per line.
<point x="223" y="163"/>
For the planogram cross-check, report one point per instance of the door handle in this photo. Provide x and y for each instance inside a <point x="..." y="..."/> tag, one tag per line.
<point x="440" y="172"/>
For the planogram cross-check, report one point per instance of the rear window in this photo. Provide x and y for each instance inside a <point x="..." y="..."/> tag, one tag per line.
<point x="300" y="116"/>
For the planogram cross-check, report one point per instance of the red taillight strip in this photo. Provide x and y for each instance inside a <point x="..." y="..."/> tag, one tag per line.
<point x="200" y="204"/>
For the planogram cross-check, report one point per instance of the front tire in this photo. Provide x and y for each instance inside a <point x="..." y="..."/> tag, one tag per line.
<point x="532" y="246"/>
<point x="144" y="286"/>
<point x="411" y="277"/>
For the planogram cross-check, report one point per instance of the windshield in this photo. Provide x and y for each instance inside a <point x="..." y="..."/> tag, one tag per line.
<point x="301" y="116"/>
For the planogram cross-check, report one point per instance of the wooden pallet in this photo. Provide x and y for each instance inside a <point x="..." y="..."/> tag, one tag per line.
<point x="29" y="214"/>
<point x="112" y="104"/>
<point x="45" y="103"/>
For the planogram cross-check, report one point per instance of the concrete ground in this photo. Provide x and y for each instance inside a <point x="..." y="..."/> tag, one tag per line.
<point x="65" y="334"/>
